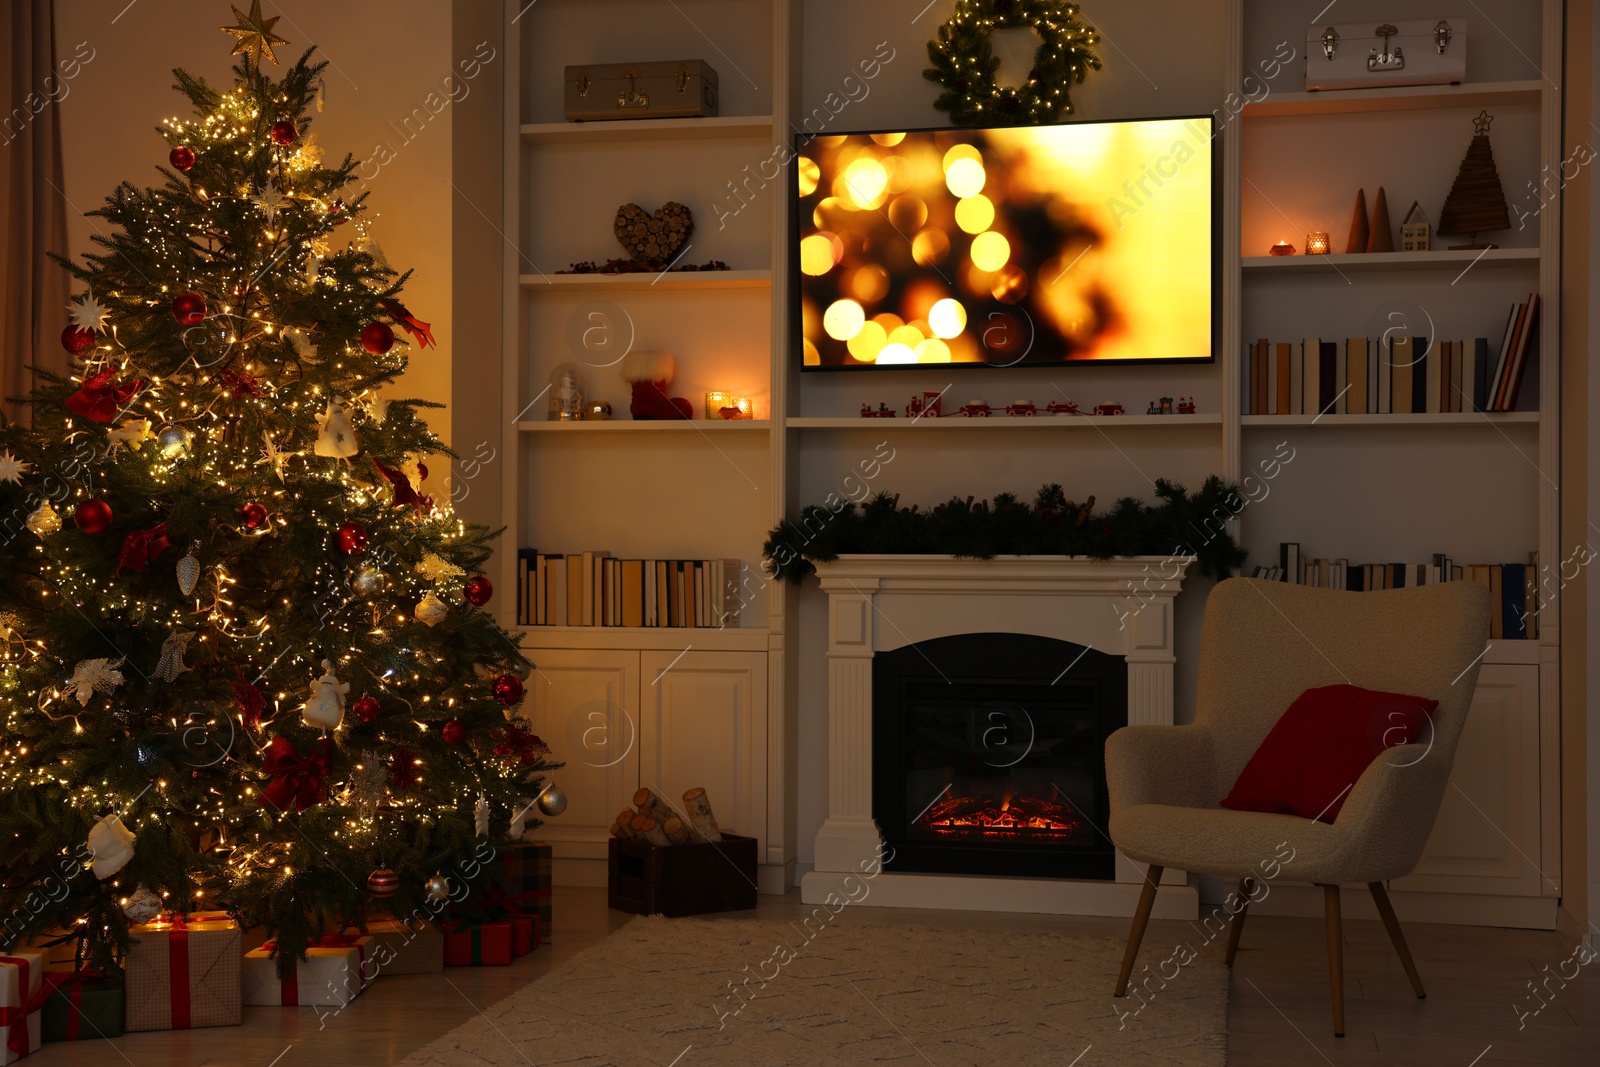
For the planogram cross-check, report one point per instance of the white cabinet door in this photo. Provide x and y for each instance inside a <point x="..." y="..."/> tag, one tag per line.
<point x="704" y="723"/>
<point x="1487" y="837"/>
<point x="584" y="704"/>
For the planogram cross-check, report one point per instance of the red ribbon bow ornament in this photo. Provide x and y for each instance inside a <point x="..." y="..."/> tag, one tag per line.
<point x="297" y="780"/>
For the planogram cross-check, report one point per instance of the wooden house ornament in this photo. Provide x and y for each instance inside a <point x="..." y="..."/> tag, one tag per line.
<point x="1414" y="230"/>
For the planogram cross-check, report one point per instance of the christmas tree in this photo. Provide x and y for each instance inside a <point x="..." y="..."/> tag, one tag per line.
<point x="1476" y="203"/>
<point x="243" y="661"/>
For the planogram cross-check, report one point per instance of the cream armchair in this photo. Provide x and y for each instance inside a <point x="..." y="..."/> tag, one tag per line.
<point x="1263" y="644"/>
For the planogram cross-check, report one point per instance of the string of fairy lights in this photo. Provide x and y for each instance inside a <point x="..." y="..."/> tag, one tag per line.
<point x="239" y="396"/>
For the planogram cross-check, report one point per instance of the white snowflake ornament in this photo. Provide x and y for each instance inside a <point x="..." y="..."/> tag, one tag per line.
<point x="11" y="468"/>
<point x="335" y="436"/>
<point x="89" y="314"/>
<point x="270" y="201"/>
<point x="93" y="676"/>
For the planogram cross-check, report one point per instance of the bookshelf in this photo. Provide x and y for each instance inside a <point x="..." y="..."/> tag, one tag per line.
<point x="671" y="707"/>
<point x="1399" y="487"/>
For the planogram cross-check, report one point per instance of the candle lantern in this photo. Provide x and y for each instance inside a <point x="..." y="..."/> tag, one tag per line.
<point x="1317" y="243"/>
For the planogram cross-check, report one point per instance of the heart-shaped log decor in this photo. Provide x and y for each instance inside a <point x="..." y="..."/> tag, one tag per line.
<point x="653" y="239"/>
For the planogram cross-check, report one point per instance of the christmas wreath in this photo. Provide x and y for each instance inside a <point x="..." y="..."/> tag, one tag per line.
<point x="1182" y="524"/>
<point x="965" y="65"/>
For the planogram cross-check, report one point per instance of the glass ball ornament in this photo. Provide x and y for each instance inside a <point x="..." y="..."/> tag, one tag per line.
<point x="437" y="888"/>
<point x="597" y="411"/>
<point x="366" y="707"/>
<point x="367" y="580"/>
<point x="92" y="516"/>
<point x="174" y="441"/>
<point x="284" y="132"/>
<point x="383" y="883"/>
<point x="189" y="309"/>
<point x="377" y="338"/>
<point x="352" y="537"/>
<point x="478" y="590"/>
<point x="507" y="689"/>
<point x="553" y="801"/>
<point x="182" y="158"/>
<point x="454" y="732"/>
<point x="254" y="516"/>
<point x="142" y="906"/>
<point x="77" y="340"/>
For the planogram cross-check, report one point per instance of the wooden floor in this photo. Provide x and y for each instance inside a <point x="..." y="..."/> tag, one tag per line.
<point x="1479" y="1010"/>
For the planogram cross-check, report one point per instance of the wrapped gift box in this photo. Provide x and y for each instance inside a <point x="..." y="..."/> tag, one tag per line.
<point x="82" y="1006"/>
<point x="22" y="993"/>
<point x="527" y="868"/>
<point x="477" y="944"/>
<point x="184" y="975"/>
<point x="524" y="934"/>
<point x="333" y="972"/>
<point x="399" y="947"/>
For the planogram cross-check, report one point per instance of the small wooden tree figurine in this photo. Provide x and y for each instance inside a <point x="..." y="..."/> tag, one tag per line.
<point x="1476" y="202"/>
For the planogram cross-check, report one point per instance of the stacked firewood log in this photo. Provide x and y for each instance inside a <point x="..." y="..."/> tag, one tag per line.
<point x="652" y="819"/>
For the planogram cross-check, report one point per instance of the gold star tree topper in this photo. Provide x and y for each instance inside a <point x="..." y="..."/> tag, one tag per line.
<point x="253" y="37"/>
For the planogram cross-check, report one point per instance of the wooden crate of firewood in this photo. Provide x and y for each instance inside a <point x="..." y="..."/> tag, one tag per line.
<point x="678" y="862"/>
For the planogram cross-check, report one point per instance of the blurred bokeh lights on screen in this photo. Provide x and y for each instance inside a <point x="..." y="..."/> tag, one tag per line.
<point x="1085" y="241"/>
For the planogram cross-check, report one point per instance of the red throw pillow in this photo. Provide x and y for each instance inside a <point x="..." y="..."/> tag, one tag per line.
<point x="1312" y="757"/>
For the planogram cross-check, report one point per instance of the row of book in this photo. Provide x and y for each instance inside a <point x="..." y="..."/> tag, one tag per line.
<point x="1514" y="587"/>
<point x="1390" y="375"/>
<point x="594" y="589"/>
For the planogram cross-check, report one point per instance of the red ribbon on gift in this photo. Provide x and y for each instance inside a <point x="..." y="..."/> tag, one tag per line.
<point x="142" y="546"/>
<point x="178" y="967"/>
<point x="496" y="897"/>
<point x="297" y="779"/>
<point x="73" y="980"/>
<point x="99" y="400"/>
<point x="289" y="995"/>
<point x="16" y="1016"/>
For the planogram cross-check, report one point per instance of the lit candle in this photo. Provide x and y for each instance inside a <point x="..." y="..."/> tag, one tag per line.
<point x="716" y="400"/>
<point x="1282" y="248"/>
<point x="1317" y="243"/>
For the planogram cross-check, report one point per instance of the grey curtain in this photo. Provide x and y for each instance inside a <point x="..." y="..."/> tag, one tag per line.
<point x="33" y="213"/>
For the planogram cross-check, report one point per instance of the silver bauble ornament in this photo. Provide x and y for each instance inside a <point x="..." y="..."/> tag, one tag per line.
<point x="367" y="580"/>
<point x="437" y="888"/>
<point x="188" y="573"/>
<point x="174" y="441"/>
<point x="142" y="906"/>
<point x="553" y="801"/>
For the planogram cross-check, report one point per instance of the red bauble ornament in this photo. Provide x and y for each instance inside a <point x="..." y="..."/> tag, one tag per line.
<point x="422" y="471"/>
<point x="189" y="309"/>
<point x="508" y="689"/>
<point x="255" y="516"/>
<point x="383" y="883"/>
<point x="352" y="537"/>
<point x="182" y="157"/>
<point x="283" y="132"/>
<point x="92" y="516"/>
<point x="77" y="340"/>
<point x="377" y="338"/>
<point x="454" y="732"/>
<point x="366" y="707"/>
<point x="478" y="590"/>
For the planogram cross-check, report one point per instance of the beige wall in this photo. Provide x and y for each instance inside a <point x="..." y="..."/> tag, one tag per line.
<point x="385" y="58"/>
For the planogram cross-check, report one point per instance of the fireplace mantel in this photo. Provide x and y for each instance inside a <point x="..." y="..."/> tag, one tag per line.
<point x="877" y="603"/>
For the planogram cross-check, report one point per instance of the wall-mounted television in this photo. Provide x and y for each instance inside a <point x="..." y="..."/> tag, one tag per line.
<point x="1076" y="243"/>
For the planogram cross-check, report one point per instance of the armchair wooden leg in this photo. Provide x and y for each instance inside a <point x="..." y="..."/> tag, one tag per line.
<point x="1236" y="926"/>
<point x="1330" y="897"/>
<point x="1141" y="919"/>
<point x="1381" y="898"/>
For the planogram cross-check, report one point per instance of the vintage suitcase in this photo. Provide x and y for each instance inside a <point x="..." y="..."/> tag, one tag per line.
<point x="675" y="880"/>
<point x="1365" y="55"/>
<point x="671" y="89"/>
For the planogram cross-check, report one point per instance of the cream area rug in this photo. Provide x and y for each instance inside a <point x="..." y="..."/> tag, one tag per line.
<point x="745" y="993"/>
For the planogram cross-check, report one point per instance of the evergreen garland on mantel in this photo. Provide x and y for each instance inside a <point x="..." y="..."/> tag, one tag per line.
<point x="1182" y="524"/>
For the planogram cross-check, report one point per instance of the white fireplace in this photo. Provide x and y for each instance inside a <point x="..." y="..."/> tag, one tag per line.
<point x="877" y="603"/>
